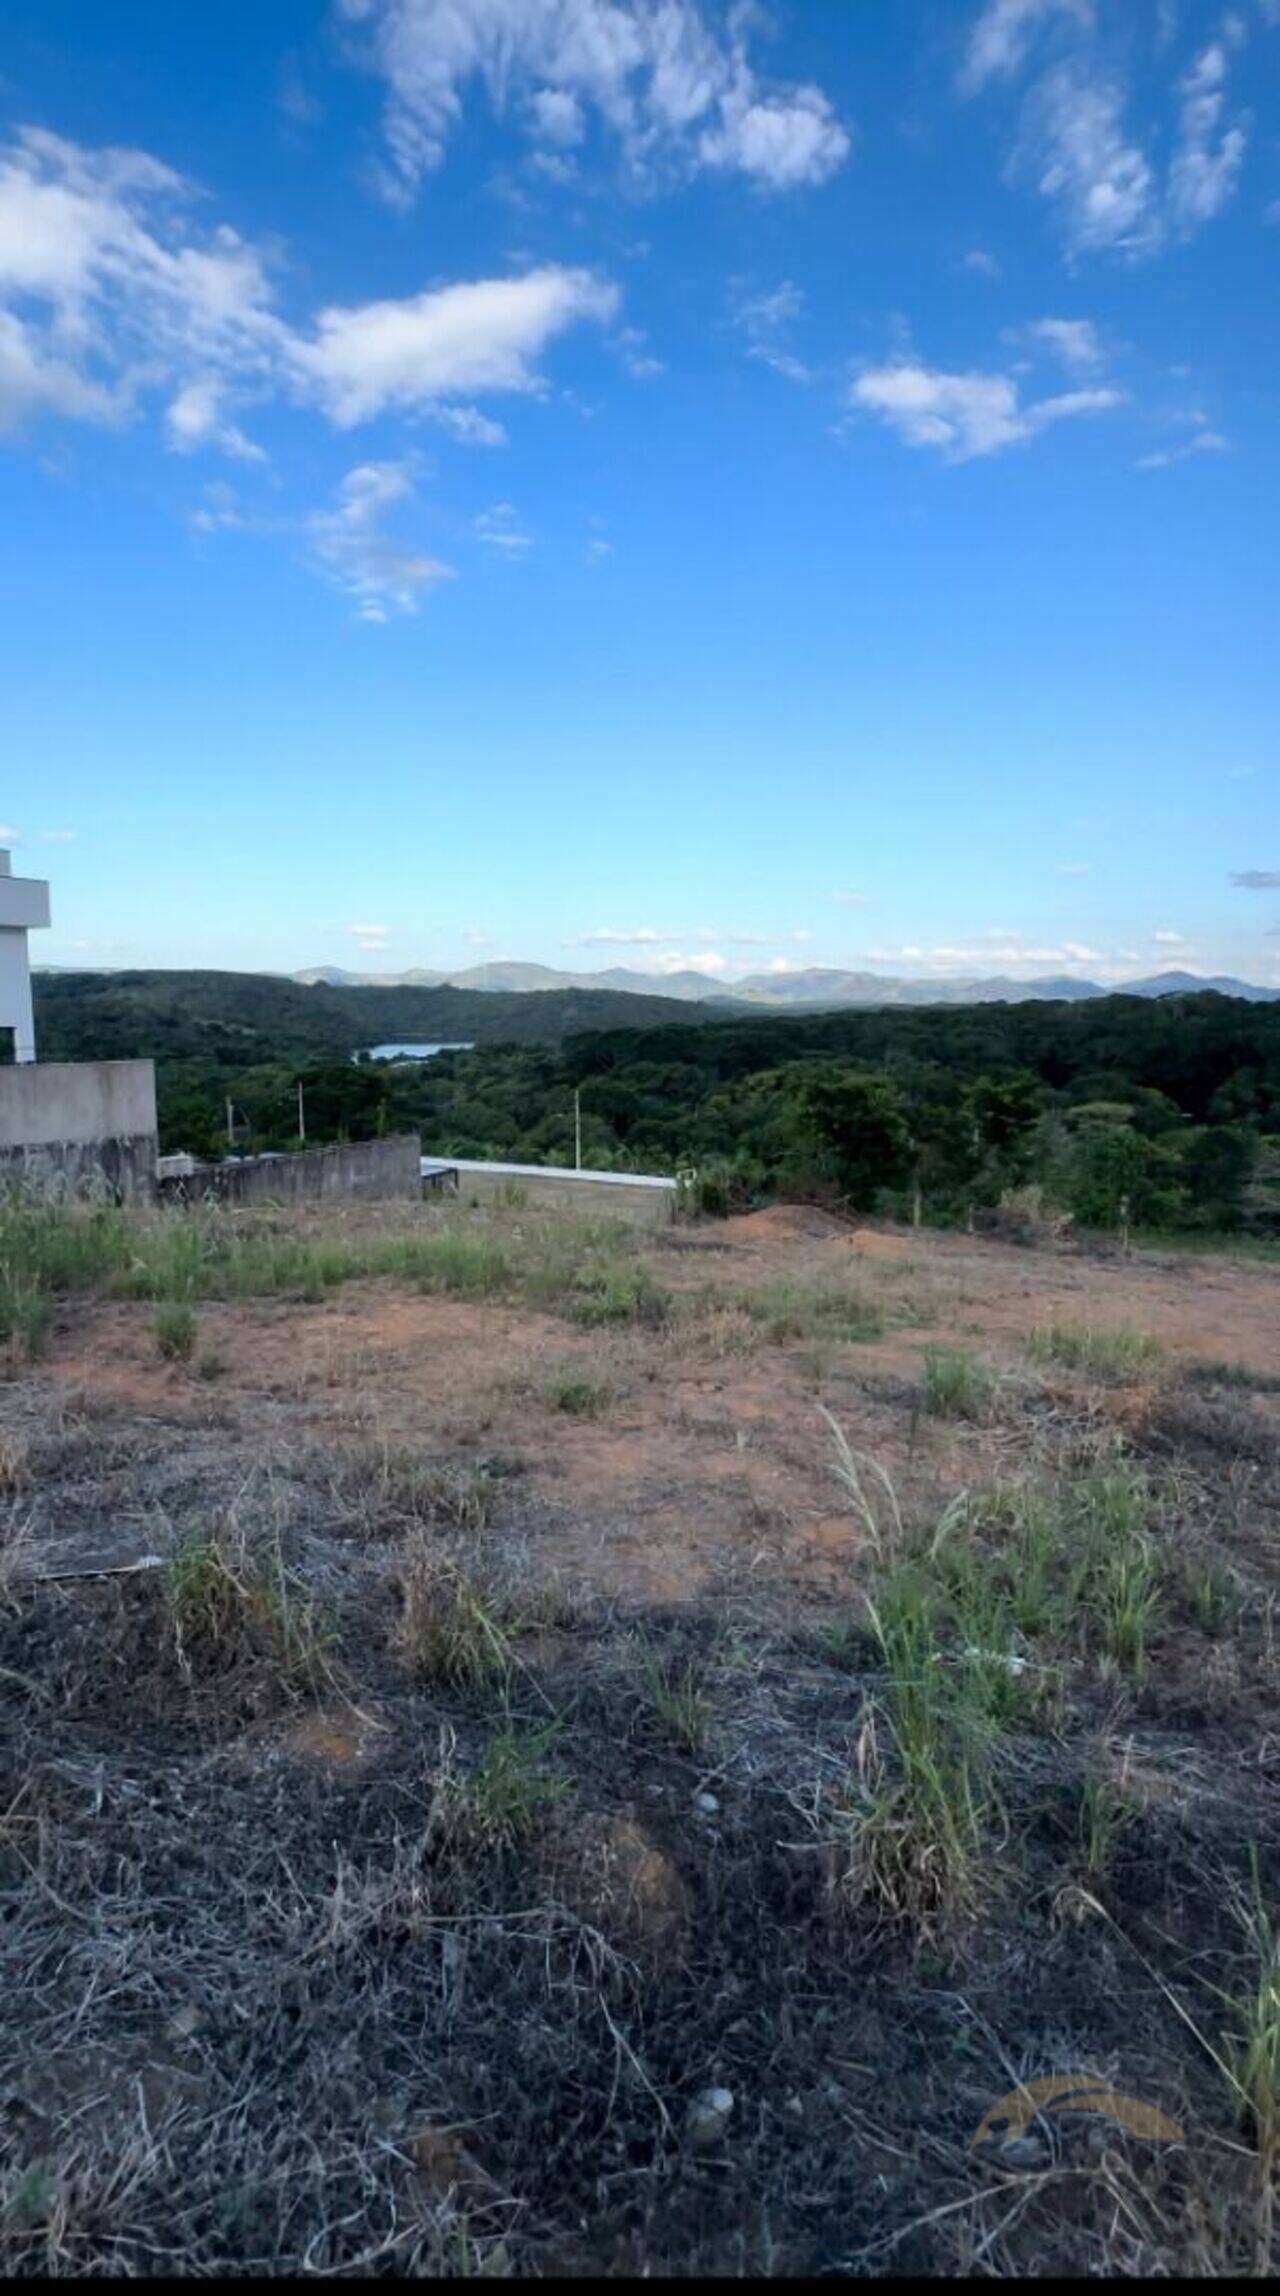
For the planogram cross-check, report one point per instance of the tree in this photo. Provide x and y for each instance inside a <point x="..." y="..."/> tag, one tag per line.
<point x="855" y="1128"/>
<point x="1109" y="1167"/>
<point x="1219" y="1163"/>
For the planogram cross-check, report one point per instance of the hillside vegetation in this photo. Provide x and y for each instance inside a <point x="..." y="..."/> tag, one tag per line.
<point x="1164" y="1114"/>
<point x="230" y="1018"/>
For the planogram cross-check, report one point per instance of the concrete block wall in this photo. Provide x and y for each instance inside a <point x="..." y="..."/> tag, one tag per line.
<point x="361" y="1171"/>
<point x="80" y="1127"/>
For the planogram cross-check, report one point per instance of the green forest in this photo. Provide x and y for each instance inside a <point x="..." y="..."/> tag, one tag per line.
<point x="1160" y="1113"/>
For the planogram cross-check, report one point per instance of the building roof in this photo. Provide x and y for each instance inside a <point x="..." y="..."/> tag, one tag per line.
<point x="434" y="1166"/>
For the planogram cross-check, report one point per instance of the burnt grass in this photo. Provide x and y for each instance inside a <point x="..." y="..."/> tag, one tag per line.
<point x="278" y="1996"/>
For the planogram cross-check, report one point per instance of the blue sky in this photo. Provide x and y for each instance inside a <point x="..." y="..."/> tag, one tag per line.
<point x="644" y="482"/>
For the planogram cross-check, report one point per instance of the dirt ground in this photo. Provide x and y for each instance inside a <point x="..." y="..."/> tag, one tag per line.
<point x="711" y="1464"/>
<point x="269" y="2005"/>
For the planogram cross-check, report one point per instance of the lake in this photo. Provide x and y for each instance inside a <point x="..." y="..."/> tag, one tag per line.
<point x="413" y="1051"/>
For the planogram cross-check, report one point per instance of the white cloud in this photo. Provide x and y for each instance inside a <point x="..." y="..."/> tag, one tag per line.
<point x="111" y="287"/>
<point x="469" y="426"/>
<point x="981" y="262"/>
<point x="382" y="575"/>
<point x="700" y="961"/>
<point x="967" y="414"/>
<point x="195" y="418"/>
<point x="371" y="937"/>
<point x="674" y="89"/>
<point x="1203" y="441"/>
<point x="944" y="958"/>
<point x="9" y="836"/>
<point x="1074" y="341"/>
<point x="643" y="937"/>
<point x="1206" y="165"/>
<point x="765" y="320"/>
<point x="1003" y="35"/>
<point x="1169" y="939"/>
<point x="638" y="361"/>
<point x="109" y="293"/>
<point x="54" y="836"/>
<point x="482" y="335"/>
<point x="852" y="900"/>
<point x="557" y="117"/>
<point x="780" y="141"/>
<point x="1074" y="144"/>
<point x="500" y="527"/>
<point x="1074" y="147"/>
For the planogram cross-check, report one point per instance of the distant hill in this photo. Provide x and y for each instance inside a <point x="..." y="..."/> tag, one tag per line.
<point x="241" y="1017"/>
<point x="817" y="988"/>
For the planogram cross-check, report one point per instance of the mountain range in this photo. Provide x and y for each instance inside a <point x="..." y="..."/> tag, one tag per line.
<point x="816" y="988"/>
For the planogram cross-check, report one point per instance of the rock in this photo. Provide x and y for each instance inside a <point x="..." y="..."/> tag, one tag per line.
<point x="706" y="1804"/>
<point x="707" y="2120"/>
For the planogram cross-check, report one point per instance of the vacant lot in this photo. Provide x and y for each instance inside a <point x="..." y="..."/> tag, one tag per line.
<point x="530" y="1750"/>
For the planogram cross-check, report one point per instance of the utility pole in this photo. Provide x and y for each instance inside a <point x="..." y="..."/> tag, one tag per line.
<point x="302" y="1116"/>
<point x="577" y="1131"/>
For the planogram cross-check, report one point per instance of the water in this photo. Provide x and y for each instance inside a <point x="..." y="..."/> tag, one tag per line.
<point x="413" y="1051"/>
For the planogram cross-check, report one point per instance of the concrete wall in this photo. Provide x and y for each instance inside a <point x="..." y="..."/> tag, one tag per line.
<point x="362" y="1171"/>
<point x="24" y="906"/>
<point x="82" y="1127"/>
<point x="643" y="1205"/>
<point x="15" y="994"/>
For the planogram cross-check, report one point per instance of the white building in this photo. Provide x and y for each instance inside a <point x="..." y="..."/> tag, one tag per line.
<point x="24" y="907"/>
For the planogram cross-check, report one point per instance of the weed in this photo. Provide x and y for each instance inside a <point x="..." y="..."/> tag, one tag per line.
<point x="175" y="1330"/>
<point x="1105" y="1811"/>
<point x="957" y="1385"/>
<point x="383" y="1482"/>
<point x="911" y="1813"/>
<point x="677" y="1694"/>
<point x="577" y="1393"/>
<point x="1113" y="1352"/>
<point x="1251" y="2051"/>
<point x="25" y="1313"/>
<point x="513" y="1789"/>
<point x="1117" y="1580"/>
<point x="450" y="1630"/>
<point x="617" y="1293"/>
<point x="870" y="1492"/>
<point x="227" y="1605"/>
<point x="15" y="1465"/>
<point x="791" y="1311"/>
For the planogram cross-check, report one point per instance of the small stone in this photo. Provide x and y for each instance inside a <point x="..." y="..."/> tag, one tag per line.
<point x="708" y="2118"/>
<point x="708" y="1804"/>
